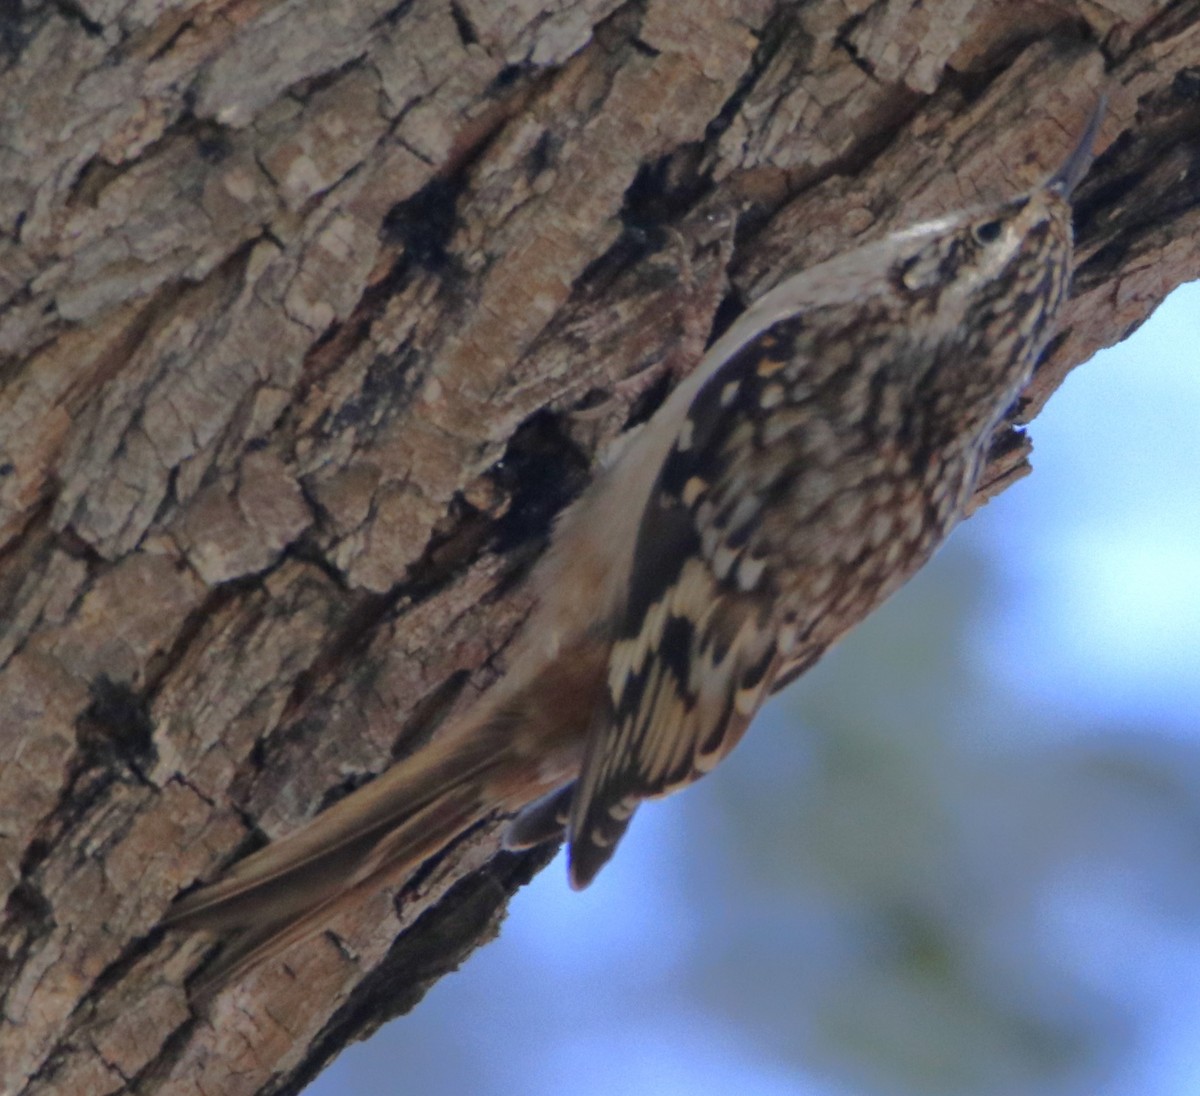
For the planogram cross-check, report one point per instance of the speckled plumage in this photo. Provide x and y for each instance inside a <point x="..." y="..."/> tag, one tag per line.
<point x="824" y="447"/>
<point x="816" y="469"/>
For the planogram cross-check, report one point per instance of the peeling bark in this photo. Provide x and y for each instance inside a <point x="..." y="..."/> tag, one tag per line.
<point x="312" y="316"/>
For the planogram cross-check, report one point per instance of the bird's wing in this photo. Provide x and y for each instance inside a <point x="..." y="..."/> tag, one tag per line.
<point x="696" y="650"/>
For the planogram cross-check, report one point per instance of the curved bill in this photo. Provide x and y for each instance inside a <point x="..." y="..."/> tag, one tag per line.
<point x="1075" y="168"/>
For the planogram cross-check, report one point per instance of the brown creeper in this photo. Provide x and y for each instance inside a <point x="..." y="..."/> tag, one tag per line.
<point x="820" y="452"/>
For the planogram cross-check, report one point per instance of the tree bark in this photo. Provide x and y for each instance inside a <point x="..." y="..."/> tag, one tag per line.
<point x="314" y="315"/>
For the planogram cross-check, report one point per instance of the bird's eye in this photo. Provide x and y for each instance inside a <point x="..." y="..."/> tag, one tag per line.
<point x="988" y="232"/>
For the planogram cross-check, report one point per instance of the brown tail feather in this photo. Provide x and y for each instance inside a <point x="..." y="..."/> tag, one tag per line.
<point x="524" y="741"/>
<point x="392" y="856"/>
<point x="286" y="891"/>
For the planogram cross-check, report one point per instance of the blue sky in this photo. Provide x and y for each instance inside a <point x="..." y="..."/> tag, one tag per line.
<point x="1111" y="584"/>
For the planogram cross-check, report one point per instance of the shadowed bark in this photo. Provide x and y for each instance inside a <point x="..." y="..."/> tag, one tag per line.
<point x="313" y="315"/>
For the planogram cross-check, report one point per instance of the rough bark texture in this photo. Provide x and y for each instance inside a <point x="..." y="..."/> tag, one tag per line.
<point x="314" y="313"/>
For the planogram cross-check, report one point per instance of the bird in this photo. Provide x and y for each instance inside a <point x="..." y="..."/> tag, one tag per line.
<point x="822" y="449"/>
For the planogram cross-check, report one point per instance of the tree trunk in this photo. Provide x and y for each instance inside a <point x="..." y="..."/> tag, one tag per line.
<point x="315" y="314"/>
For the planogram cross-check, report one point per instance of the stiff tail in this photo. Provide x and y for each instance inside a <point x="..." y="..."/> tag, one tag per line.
<point x="286" y="891"/>
<point x="523" y="741"/>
